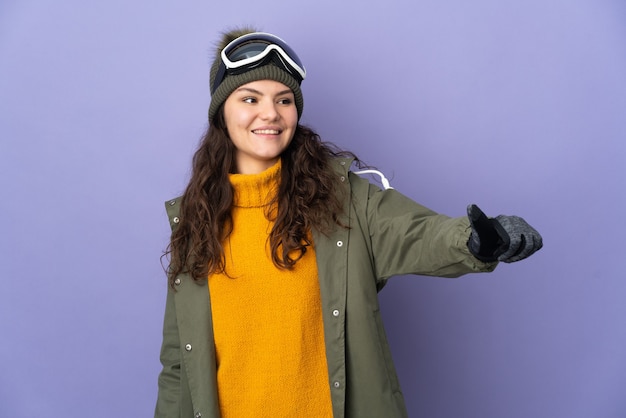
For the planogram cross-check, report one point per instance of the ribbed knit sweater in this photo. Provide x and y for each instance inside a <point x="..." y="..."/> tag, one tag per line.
<point x="267" y="321"/>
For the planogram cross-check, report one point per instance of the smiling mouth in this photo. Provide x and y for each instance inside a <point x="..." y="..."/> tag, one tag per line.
<point x="266" y="132"/>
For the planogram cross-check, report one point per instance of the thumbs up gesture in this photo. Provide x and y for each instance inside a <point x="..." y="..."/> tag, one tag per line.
<point x="503" y="238"/>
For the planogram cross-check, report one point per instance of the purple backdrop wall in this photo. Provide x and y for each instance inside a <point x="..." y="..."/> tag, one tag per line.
<point x="517" y="106"/>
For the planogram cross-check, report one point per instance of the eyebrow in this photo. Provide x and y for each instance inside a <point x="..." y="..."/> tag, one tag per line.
<point x="260" y="93"/>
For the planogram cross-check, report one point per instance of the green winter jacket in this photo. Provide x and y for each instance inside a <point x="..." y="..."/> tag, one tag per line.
<point x="388" y="235"/>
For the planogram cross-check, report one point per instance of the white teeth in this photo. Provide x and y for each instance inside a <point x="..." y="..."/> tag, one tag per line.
<point x="266" y="132"/>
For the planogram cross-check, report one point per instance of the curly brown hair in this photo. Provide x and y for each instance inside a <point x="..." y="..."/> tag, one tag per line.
<point x="307" y="199"/>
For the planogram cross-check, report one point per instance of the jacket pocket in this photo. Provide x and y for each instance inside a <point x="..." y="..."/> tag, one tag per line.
<point x="385" y="352"/>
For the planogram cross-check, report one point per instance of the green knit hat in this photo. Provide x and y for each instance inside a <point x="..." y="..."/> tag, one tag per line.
<point x="233" y="82"/>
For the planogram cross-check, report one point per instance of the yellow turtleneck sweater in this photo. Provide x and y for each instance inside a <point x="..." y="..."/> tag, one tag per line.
<point x="267" y="322"/>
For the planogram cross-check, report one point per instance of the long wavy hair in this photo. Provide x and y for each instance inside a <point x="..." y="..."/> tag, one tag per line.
<point x="308" y="198"/>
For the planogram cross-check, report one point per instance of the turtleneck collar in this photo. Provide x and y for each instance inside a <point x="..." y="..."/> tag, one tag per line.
<point x="255" y="190"/>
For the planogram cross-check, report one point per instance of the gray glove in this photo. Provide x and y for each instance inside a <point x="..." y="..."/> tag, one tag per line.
<point x="503" y="238"/>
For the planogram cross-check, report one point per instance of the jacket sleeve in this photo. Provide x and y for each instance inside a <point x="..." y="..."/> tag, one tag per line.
<point x="169" y="379"/>
<point x="408" y="238"/>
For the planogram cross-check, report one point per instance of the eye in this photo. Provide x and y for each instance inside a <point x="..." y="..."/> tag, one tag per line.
<point x="249" y="100"/>
<point x="285" y="101"/>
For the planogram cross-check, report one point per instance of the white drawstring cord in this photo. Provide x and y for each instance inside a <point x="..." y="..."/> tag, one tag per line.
<point x="383" y="179"/>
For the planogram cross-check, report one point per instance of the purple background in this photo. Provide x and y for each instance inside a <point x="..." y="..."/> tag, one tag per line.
<point x="517" y="106"/>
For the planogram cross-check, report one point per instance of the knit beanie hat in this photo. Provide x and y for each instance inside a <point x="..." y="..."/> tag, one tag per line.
<point x="231" y="83"/>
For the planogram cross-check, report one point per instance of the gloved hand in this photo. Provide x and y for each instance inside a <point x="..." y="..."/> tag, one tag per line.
<point x="503" y="238"/>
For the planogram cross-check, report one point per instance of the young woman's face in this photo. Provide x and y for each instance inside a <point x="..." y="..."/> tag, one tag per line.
<point x="261" y="119"/>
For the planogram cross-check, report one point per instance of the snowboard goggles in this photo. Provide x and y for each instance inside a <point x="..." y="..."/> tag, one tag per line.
<point x="255" y="50"/>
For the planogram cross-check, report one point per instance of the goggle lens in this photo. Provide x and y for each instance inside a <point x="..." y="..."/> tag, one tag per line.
<point x="247" y="50"/>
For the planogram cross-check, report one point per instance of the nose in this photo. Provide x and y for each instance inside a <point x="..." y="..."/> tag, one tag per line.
<point x="269" y="111"/>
